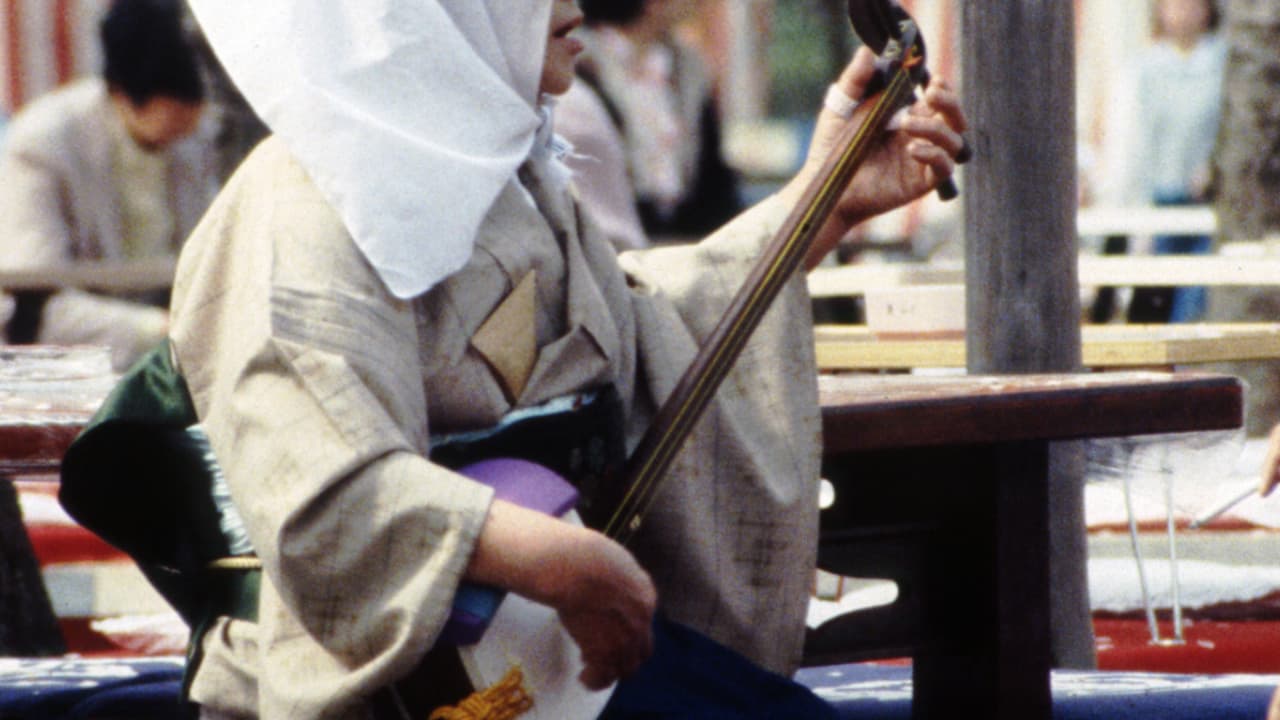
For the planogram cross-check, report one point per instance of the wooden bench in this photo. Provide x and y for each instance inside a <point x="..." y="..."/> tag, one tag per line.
<point x="29" y="289"/>
<point x="145" y="274"/>
<point x="854" y="347"/>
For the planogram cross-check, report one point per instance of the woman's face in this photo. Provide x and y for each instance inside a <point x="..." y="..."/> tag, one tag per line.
<point x="562" y="49"/>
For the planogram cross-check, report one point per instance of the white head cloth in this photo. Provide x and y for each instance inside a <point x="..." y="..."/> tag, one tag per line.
<point x="409" y="115"/>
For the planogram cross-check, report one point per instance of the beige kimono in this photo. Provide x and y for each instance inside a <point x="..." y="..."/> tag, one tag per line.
<point x="318" y="390"/>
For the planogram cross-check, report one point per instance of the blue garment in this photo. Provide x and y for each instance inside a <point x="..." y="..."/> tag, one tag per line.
<point x="69" y="688"/>
<point x="1179" y="102"/>
<point x="1188" y="304"/>
<point x="692" y="676"/>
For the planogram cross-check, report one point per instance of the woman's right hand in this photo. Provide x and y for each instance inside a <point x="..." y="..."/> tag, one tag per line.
<point x="605" y="600"/>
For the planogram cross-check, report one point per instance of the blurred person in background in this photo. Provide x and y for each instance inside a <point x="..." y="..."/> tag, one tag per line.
<point x="657" y="91"/>
<point x="598" y="160"/>
<point x="1167" y="122"/>
<point x="108" y="168"/>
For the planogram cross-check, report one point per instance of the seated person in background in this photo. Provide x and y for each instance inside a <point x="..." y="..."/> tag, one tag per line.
<point x="108" y="168"/>
<point x="658" y="93"/>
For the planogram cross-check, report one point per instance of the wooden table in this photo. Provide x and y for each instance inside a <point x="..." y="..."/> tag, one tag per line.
<point x="942" y="486"/>
<point x="46" y="395"/>
<point x="854" y="347"/>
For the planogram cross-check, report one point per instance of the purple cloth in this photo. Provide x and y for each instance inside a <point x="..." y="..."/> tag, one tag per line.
<point x="526" y="484"/>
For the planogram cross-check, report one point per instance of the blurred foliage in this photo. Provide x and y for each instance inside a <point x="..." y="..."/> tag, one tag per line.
<point x="810" y="43"/>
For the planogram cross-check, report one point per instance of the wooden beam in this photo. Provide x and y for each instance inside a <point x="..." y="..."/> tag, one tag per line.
<point x="851" y="347"/>
<point x="146" y="274"/>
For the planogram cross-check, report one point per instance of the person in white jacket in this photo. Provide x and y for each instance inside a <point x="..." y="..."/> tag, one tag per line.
<point x="108" y="168"/>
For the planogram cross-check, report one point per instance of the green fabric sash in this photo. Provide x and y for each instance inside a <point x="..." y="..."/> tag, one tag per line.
<point x="138" y="479"/>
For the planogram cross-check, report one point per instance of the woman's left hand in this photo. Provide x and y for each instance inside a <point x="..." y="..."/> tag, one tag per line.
<point x="910" y="160"/>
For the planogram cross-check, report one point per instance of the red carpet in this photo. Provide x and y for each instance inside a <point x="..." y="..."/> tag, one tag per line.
<point x="1246" y="646"/>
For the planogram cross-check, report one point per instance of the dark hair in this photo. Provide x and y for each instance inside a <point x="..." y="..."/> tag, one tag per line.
<point x="611" y="12"/>
<point x="148" y="51"/>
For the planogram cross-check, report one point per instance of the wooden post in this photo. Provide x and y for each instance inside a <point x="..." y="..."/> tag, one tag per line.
<point x="1023" y="308"/>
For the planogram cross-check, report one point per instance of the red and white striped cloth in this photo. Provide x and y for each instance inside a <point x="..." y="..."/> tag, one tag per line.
<point x="44" y="43"/>
<point x="104" y="604"/>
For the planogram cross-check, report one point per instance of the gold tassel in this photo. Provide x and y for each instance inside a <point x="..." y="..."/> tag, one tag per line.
<point x="507" y="699"/>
